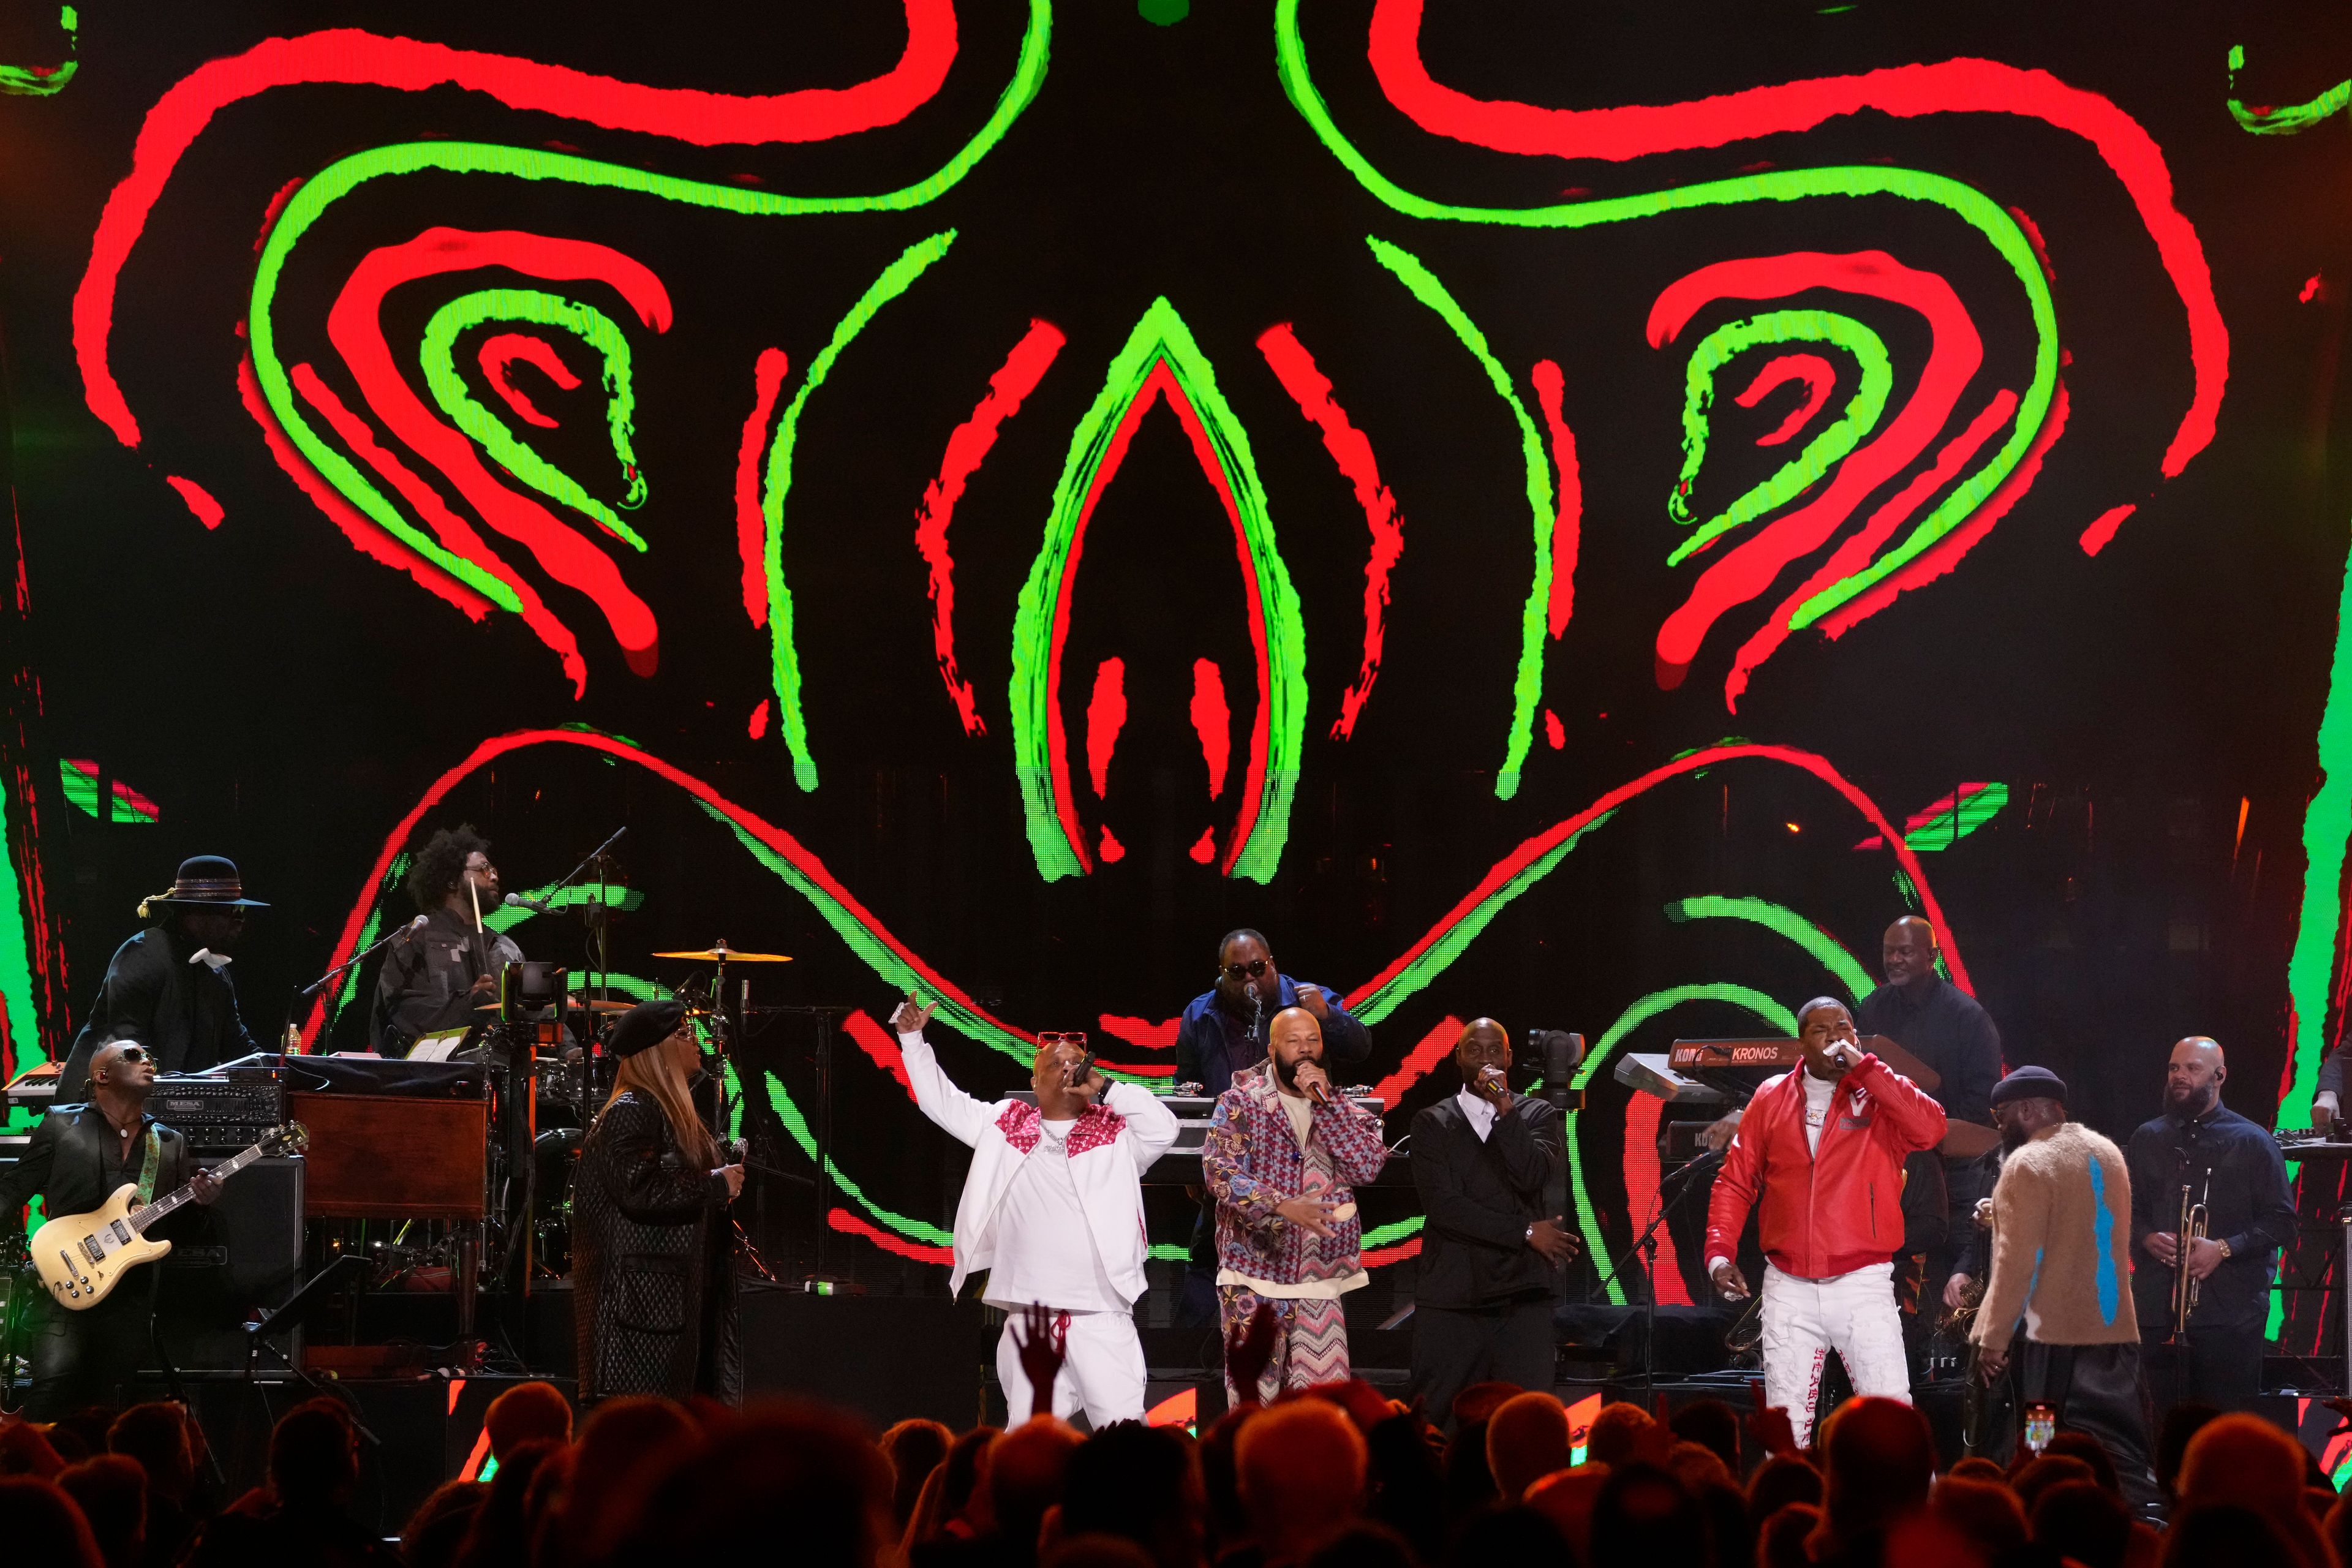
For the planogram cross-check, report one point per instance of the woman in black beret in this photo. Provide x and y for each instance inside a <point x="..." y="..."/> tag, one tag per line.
<point x="654" y="1267"/>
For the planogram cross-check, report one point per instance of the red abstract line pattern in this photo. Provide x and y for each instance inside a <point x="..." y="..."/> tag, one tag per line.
<point x="1427" y="1052"/>
<point x="1946" y="552"/>
<point x="1212" y="721"/>
<point x="501" y="351"/>
<point x="200" y="501"/>
<point x="2103" y="527"/>
<point x="768" y="372"/>
<point x="882" y="1046"/>
<point x="350" y="57"/>
<point x="1568" y="520"/>
<point x="1105" y="717"/>
<point x="1159" y="383"/>
<point x="783" y="843"/>
<point x="968" y="447"/>
<point x="1818" y="376"/>
<point x="355" y="326"/>
<point x="1957" y="86"/>
<point x="1510" y="867"/>
<point x="1642" y="1175"/>
<point x="1954" y="355"/>
<point x="1352" y="449"/>
<point x="1141" y="1033"/>
<point x="361" y="529"/>
<point x="843" y="1220"/>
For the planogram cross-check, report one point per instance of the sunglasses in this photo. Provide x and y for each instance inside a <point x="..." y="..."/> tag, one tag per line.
<point x="1254" y="970"/>
<point x="1050" y="1037"/>
<point x="133" y="1054"/>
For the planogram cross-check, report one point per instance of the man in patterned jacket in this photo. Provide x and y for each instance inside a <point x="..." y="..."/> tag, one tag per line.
<point x="1053" y="1208"/>
<point x="1283" y="1157"/>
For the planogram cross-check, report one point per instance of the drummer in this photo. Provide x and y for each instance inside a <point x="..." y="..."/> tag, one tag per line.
<point x="442" y="971"/>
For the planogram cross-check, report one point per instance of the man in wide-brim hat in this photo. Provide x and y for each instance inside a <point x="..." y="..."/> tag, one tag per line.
<point x="169" y="987"/>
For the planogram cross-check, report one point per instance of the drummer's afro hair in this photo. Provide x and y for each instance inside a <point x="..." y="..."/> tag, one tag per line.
<point x="440" y="866"/>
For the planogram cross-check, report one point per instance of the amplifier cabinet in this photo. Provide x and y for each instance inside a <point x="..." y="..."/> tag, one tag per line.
<point x="216" y="1114"/>
<point x="243" y="1253"/>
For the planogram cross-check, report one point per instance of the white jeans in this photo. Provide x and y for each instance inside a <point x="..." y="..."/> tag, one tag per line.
<point x="1853" y="1314"/>
<point x="1103" y="1376"/>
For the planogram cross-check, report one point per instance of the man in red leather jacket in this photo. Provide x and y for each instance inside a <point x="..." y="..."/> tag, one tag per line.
<point x="1823" y="1147"/>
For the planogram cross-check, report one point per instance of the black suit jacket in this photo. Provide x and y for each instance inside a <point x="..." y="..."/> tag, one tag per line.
<point x="68" y="1164"/>
<point x="1480" y="1197"/>
<point x="183" y="1012"/>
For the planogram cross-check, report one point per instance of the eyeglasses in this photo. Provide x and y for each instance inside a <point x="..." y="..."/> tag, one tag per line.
<point x="133" y="1054"/>
<point x="1075" y="1037"/>
<point x="1254" y="970"/>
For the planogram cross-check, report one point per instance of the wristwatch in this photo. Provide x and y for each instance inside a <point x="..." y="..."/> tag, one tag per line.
<point x="1530" y="1234"/>
<point x="2225" y="1251"/>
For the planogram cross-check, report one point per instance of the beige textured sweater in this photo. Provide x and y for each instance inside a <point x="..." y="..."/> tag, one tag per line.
<point x="2061" y="1244"/>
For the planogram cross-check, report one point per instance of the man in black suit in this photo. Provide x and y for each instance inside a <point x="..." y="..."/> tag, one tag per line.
<point x="169" y="987"/>
<point x="76" y="1159"/>
<point x="1492" y="1261"/>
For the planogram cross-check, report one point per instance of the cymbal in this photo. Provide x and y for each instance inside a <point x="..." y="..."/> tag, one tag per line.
<point x="721" y="954"/>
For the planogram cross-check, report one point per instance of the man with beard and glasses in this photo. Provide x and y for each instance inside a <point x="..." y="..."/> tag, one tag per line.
<point x="1223" y="1031"/>
<point x="1283" y="1158"/>
<point x="2234" y="1167"/>
<point x="1820" y="1152"/>
<point x="2061" y="1239"/>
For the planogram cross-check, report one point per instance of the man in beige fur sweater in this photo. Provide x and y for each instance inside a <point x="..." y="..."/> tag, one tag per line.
<point x="2060" y="1244"/>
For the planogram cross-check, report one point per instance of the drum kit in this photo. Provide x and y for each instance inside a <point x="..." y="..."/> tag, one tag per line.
<point x="543" y="1028"/>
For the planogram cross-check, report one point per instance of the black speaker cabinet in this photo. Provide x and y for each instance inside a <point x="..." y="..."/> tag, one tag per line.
<point x="244" y="1253"/>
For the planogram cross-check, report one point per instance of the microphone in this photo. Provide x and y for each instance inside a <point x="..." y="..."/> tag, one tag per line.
<point x="1320" y="1092"/>
<point x="418" y="923"/>
<point x="522" y="901"/>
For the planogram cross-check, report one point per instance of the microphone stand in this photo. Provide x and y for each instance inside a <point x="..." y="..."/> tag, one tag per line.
<point x="1647" y="1245"/>
<point x="304" y="995"/>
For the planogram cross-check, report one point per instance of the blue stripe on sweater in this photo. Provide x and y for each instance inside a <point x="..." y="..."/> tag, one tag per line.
<point x="2103" y="1227"/>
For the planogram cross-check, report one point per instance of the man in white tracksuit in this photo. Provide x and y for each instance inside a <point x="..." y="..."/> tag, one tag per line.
<point x="1052" y="1209"/>
<point x="1821" y="1151"/>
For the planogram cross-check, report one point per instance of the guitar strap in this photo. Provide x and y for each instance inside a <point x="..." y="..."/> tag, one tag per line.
<point x="148" y="1168"/>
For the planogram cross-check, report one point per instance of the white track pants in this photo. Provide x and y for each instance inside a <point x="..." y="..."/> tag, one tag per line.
<point x="1103" y="1376"/>
<point x="1853" y="1314"/>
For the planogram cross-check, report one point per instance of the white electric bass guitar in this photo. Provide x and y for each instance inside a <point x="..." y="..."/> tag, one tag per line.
<point x="81" y="1256"/>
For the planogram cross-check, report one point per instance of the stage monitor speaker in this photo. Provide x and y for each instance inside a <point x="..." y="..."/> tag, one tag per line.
<point x="243" y="1253"/>
<point x="886" y="1357"/>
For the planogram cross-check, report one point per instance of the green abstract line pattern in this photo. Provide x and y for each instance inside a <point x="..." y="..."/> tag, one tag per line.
<point x="1158" y="338"/>
<point x="15" y="961"/>
<point x="368" y="932"/>
<point x="1946" y="828"/>
<point x="894" y="972"/>
<point x="1642" y="1012"/>
<point x="43" y="82"/>
<point x="1970" y="205"/>
<point x="895" y="280"/>
<point x="1799" y="474"/>
<point x="592" y="327"/>
<point x="506" y="917"/>
<point x="1823" y="948"/>
<point x="1440" y="954"/>
<point x="797" y="1125"/>
<point x="2282" y="120"/>
<point x="340" y="179"/>
<point x="1527" y="684"/>
<point x="2326" y="827"/>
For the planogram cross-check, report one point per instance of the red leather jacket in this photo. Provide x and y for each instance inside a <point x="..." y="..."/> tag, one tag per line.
<point x="1832" y="1212"/>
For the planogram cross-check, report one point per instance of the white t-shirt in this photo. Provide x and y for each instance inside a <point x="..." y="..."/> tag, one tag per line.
<point x="1046" y="1253"/>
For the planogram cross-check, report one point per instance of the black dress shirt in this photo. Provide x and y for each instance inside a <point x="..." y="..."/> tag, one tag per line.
<point x="1480" y="1197"/>
<point x="1948" y="1030"/>
<point x="2247" y="1205"/>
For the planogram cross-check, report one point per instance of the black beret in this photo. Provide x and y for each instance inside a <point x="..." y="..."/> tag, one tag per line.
<point x="645" y="1025"/>
<point x="2029" y="1083"/>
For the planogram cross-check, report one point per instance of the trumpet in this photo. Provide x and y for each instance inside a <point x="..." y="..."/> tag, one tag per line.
<point x="2192" y="1230"/>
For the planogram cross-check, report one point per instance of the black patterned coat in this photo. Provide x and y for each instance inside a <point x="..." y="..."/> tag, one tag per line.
<point x="652" y="1291"/>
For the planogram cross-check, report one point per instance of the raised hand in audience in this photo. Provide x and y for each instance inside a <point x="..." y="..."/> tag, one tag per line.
<point x="1043" y="1347"/>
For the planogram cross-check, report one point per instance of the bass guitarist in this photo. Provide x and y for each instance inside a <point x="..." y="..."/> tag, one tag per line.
<point x="79" y="1156"/>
